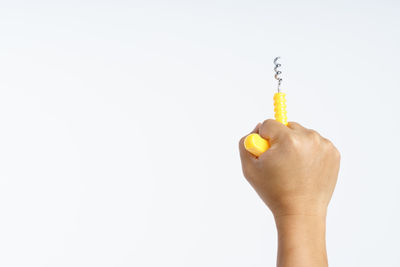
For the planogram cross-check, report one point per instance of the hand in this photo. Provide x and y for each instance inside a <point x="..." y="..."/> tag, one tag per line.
<point x="295" y="177"/>
<point x="298" y="174"/>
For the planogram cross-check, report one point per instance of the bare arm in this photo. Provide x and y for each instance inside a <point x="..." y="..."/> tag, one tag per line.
<point x="295" y="178"/>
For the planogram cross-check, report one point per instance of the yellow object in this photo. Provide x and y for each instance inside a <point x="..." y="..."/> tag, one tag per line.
<point x="280" y="108"/>
<point x="257" y="145"/>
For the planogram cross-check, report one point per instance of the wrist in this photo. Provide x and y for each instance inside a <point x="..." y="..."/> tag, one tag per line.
<point x="303" y="236"/>
<point x="299" y="215"/>
<point x="304" y="222"/>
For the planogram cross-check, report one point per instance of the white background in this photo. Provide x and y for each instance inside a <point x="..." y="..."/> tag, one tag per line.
<point x="119" y="124"/>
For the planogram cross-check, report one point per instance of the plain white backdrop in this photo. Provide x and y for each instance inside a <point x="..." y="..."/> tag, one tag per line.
<point x="120" y="122"/>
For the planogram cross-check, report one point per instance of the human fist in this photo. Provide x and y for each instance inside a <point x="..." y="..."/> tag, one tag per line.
<point x="297" y="174"/>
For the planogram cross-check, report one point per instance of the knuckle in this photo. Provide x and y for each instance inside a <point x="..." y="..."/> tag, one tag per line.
<point x="293" y="140"/>
<point x="332" y="149"/>
<point x="293" y="125"/>
<point x="314" y="135"/>
<point x="267" y="122"/>
<point x="336" y="152"/>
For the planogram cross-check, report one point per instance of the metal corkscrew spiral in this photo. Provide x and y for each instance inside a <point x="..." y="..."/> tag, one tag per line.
<point x="277" y="73"/>
<point x="256" y="144"/>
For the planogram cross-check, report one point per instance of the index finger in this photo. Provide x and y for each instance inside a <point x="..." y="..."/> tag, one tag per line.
<point x="272" y="130"/>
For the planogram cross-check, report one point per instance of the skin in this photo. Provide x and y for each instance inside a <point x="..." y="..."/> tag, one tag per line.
<point x="295" y="178"/>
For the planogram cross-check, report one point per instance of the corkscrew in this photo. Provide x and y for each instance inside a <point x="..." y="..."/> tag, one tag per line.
<point x="277" y="73"/>
<point x="254" y="143"/>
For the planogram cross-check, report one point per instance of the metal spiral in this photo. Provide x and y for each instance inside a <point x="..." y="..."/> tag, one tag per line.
<point x="277" y="73"/>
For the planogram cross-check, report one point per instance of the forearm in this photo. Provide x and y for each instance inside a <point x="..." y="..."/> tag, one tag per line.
<point x="301" y="241"/>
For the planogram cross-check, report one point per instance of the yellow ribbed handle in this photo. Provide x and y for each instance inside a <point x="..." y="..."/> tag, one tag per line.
<point x="257" y="145"/>
<point x="280" y="108"/>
